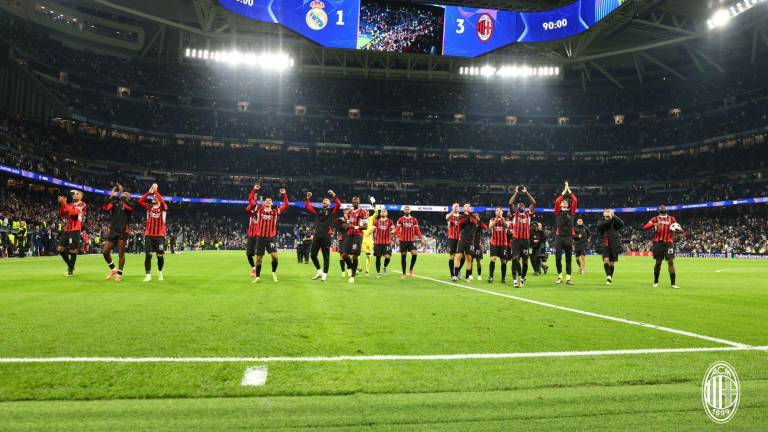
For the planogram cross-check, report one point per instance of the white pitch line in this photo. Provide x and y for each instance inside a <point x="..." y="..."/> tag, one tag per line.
<point x="592" y="314"/>
<point x="394" y="357"/>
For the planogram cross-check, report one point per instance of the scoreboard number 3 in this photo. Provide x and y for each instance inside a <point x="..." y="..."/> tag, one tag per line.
<point x="459" y="25"/>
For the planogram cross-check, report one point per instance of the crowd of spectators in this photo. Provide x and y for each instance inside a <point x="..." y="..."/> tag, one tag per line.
<point x="401" y="27"/>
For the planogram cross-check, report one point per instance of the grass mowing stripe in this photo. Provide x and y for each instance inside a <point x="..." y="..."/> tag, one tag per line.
<point x="592" y="314"/>
<point x="426" y="357"/>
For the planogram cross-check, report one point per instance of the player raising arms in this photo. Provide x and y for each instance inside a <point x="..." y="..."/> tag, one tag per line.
<point x="154" y="235"/>
<point x="466" y="245"/>
<point x="610" y="236"/>
<point x="663" y="243"/>
<point x="407" y="230"/>
<point x="520" y="217"/>
<point x="383" y="228"/>
<point x="321" y="240"/>
<point x="355" y="223"/>
<point x="564" y="214"/>
<point x="498" y="226"/>
<point x="262" y="231"/>
<point x="452" y="219"/>
<point x="69" y="240"/>
<point x="120" y="206"/>
<point x="341" y="223"/>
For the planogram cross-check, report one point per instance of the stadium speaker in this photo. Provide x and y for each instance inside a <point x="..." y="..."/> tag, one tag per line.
<point x="511" y="120"/>
<point x="242" y="106"/>
<point x="459" y="118"/>
<point x="675" y="113"/>
<point x="618" y="119"/>
<point x="354" y="113"/>
<point x="300" y="110"/>
<point x="563" y="121"/>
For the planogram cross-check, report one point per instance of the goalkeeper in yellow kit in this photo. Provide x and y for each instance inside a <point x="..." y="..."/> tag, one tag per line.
<point x="367" y="247"/>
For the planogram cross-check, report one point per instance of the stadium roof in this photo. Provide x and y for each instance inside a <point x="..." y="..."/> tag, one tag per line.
<point x="642" y="40"/>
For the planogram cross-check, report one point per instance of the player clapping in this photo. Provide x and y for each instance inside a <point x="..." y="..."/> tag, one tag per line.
<point x="154" y="234"/>
<point x="609" y="229"/>
<point x="120" y="207"/>
<point x="498" y="226"/>
<point x="407" y="230"/>
<point x="383" y="228"/>
<point x="69" y="241"/>
<point x="520" y="217"/>
<point x="355" y="221"/>
<point x="564" y="214"/>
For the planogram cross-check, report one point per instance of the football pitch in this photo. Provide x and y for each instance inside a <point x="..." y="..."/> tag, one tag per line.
<point x="423" y="353"/>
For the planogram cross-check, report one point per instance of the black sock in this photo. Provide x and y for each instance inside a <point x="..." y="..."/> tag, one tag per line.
<point x="355" y="263"/>
<point x="386" y="262"/>
<point x="378" y="264"/>
<point x="456" y="271"/>
<point x="613" y="267"/>
<point x="402" y="262"/>
<point x="479" y="268"/>
<point x="492" y="268"/>
<point x="468" y="273"/>
<point x="656" y="273"/>
<point x="258" y="270"/>
<point x="147" y="263"/>
<point x="413" y="261"/>
<point x="274" y="265"/>
<point x="515" y="265"/>
<point x="111" y="265"/>
<point x="343" y="265"/>
<point x="120" y="272"/>
<point x="326" y="260"/>
<point x="450" y="266"/>
<point x="316" y="262"/>
<point x="250" y="261"/>
<point x="72" y="261"/>
<point x="503" y="270"/>
<point x="607" y="269"/>
<point x="160" y="262"/>
<point x="672" y="278"/>
<point x="524" y="272"/>
<point x="65" y="257"/>
<point x="461" y="264"/>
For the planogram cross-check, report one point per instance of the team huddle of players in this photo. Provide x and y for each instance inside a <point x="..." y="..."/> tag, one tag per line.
<point x="513" y="238"/>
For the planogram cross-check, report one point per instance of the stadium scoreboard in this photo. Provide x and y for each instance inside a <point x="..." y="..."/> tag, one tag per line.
<point x="388" y="26"/>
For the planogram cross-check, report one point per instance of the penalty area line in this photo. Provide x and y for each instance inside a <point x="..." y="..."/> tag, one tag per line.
<point x="591" y="314"/>
<point x="394" y="357"/>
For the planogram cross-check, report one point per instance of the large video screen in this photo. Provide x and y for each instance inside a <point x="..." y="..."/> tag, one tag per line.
<point x="400" y="27"/>
<point x="381" y="25"/>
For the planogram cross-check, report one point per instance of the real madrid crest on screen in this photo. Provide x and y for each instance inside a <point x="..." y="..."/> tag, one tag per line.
<point x="317" y="19"/>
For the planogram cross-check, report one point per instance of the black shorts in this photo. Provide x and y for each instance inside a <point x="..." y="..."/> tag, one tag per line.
<point x="465" y="248"/>
<point x="478" y="255"/>
<point x="520" y="247"/>
<point x="579" y="249"/>
<point x="154" y="244"/>
<point x="538" y="249"/>
<point x="663" y="251"/>
<point x="352" y="244"/>
<point x="408" y="246"/>
<point x="70" y="240"/>
<point x="563" y="244"/>
<point x="114" y="236"/>
<point x="611" y="252"/>
<point x="382" y="250"/>
<point x="499" y="251"/>
<point x="453" y="246"/>
<point x="260" y="245"/>
<point x="321" y="242"/>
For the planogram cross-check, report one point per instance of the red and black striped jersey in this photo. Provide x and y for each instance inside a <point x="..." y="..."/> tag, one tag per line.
<point x="355" y="220"/>
<point x="662" y="224"/>
<point x="383" y="233"/>
<point x="499" y="232"/>
<point x="521" y="224"/>
<point x="155" y="215"/>
<point x="408" y="228"/>
<point x="454" y="232"/>
<point x="263" y="222"/>
<point x="75" y="214"/>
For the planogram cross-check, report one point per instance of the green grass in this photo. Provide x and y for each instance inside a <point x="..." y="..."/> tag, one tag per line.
<point x="208" y="307"/>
